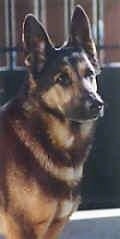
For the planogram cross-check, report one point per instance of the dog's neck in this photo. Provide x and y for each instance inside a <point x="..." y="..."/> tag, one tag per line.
<point x="58" y="132"/>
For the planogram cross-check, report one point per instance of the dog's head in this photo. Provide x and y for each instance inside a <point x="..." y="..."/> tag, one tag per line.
<point x="65" y="77"/>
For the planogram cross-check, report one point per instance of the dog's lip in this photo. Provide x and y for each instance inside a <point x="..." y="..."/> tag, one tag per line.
<point x="83" y="121"/>
<point x="87" y="119"/>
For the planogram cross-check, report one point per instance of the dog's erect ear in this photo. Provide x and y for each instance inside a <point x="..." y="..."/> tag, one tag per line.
<point x="81" y="34"/>
<point x="36" y="41"/>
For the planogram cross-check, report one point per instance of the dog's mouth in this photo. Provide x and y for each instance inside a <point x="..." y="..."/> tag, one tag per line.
<point x="82" y="121"/>
<point x="79" y="116"/>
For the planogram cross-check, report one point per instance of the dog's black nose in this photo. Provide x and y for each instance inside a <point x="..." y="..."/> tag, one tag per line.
<point x="95" y="105"/>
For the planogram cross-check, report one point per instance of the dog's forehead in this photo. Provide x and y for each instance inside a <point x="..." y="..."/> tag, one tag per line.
<point x="66" y="54"/>
<point x="76" y="59"/>
<point x="73" y="56"/>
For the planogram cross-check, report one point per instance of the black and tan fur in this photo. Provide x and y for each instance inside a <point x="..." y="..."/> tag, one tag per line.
<point x="47" y="131"/>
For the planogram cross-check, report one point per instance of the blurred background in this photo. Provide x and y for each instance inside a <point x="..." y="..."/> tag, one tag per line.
<point x="100" y="187"/>
<point x="56" y="14"/>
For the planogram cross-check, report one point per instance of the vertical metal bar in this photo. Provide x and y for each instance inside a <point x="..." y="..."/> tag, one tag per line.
<point x="13" y="23"/>
<point x="100" y="24"/>
<point x="36" y="8"/>
<point x="10" y="32"/>
<point x="71" y="7"/>
<point x="98" y="29"/>
<point x="68" y="10"/>
<point x="6" y="30"/>
<point x="94" y="18"/>
<point x="65" y="19"/>
<point x="43" y="12"/>
<point x="101" y="30"/>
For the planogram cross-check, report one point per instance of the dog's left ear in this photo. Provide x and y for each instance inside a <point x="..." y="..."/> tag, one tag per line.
<point x="37" y="44"/>
<point x="81" y="35"/>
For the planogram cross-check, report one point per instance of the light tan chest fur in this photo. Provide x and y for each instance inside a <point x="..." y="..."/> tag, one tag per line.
<point x="29" y="199"/>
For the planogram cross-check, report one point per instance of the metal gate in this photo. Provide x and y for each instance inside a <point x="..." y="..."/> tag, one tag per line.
<point x="49" y="12"/>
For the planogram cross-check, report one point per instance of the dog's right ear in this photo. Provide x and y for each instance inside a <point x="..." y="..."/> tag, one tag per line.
<point x="37" y="44"/>
<point x="81" y="35"/>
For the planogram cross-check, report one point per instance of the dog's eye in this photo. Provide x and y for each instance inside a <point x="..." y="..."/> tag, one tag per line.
<point x="64" y="80"/>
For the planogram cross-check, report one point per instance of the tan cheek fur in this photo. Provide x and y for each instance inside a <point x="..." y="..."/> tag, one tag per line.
<point x="60" y="134"/>
<point x="56" y="97"/>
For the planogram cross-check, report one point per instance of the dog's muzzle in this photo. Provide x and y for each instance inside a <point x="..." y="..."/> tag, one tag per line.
<point x="91" y="107"/>
<point x="94" y="106"/>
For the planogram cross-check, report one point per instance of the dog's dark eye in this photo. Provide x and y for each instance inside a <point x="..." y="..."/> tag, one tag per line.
<point x="64" y="80"/>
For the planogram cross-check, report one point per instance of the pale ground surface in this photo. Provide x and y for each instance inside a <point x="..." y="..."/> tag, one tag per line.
<point x="97" y="224"/>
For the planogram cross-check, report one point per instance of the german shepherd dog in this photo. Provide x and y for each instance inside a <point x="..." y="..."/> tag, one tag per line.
<point x="47" y="131"/>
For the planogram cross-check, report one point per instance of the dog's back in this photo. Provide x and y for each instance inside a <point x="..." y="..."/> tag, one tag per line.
<point x="47" y="132"/>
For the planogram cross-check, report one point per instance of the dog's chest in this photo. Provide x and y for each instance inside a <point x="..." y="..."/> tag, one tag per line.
<point x="66" y="176"/>
<point x="36" y="201"/>
<point x="67" y="207"/>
